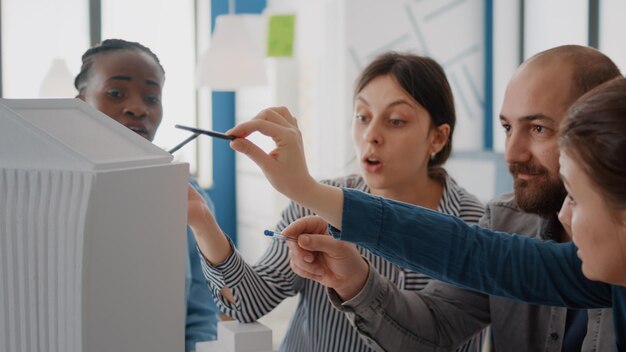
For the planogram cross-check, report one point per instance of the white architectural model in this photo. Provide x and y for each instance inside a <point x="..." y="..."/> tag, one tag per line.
<point x="92" y="233"/>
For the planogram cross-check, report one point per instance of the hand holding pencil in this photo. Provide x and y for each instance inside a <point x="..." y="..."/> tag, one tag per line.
<point x="317" y="256"/>
<point x="285" y="166"/>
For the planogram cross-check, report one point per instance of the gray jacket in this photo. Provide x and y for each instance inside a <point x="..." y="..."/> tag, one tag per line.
<point x="441" y="316"/>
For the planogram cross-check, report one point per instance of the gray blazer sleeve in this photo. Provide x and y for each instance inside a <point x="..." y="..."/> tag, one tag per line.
<point x="439" y="318"/>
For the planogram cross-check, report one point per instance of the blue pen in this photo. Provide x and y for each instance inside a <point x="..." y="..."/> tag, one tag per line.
<point x="278" y="235"/>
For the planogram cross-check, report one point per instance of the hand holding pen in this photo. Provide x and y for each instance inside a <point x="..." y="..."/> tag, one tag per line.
<point x="317" y="256"/>
<point x="285" y="166"/>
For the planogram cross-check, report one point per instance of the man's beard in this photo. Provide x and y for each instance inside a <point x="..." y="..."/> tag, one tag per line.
<point x="542" y="195"/>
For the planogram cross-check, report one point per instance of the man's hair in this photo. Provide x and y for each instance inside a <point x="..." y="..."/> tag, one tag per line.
<point x="80" y="82"/>
<point x="590" y="67"/>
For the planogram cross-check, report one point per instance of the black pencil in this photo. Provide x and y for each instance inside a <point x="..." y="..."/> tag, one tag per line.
<point x="207" y="132"/>
<point x="181" y="144"/>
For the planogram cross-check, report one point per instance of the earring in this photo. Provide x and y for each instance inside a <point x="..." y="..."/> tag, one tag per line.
<point x="432" y="155"/>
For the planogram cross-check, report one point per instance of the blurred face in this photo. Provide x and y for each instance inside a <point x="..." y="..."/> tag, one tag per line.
<point x="393" y="135"/>
<point x="126" y="85"/>
<point x="598" y="230"/>
<point x="535" y="102"/>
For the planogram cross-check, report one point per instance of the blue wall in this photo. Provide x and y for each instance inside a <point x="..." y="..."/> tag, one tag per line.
<point x="488" y="118"/>
<point x="224" y="192"/>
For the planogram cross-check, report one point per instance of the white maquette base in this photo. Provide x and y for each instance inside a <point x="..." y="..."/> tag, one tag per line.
<point x="233" y="336"/>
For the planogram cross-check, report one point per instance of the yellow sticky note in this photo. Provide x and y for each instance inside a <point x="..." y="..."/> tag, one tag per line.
<point x="280" y="35"/>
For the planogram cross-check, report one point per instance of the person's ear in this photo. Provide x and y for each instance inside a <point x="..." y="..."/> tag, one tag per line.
<point x="441" y="134"/>
<point x="80" y="96"/>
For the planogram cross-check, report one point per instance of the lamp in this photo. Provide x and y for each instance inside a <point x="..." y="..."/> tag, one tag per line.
<point x="234" y="59"/>
<point x="58" y="82"/>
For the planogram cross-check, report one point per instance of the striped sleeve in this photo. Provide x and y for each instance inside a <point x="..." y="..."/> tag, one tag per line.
<point x="259" y="288"/>
<point x="471" y="209"/>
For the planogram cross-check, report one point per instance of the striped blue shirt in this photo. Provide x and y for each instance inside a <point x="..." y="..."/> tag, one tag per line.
<point x="316" y="325"/>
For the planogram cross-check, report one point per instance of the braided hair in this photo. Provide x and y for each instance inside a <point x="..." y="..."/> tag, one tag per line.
<point x="80" y="82"/>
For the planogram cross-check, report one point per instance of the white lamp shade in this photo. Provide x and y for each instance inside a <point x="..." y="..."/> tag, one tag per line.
<point x="234" y="60"/>
<point x="58" y="82"/>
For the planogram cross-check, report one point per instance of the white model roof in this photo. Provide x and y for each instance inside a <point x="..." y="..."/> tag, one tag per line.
<point x="69" y="134"/>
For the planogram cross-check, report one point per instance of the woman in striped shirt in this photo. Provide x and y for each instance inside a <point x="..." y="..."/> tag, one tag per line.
<point x="402" y="131"/>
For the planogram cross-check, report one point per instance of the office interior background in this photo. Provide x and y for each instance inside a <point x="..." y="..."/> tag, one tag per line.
<point x="478" y="42"/>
